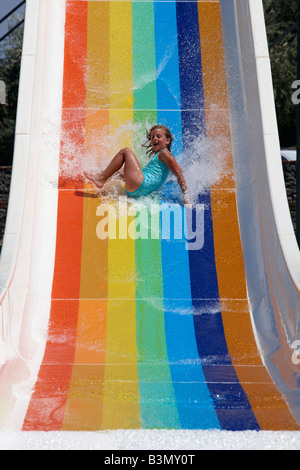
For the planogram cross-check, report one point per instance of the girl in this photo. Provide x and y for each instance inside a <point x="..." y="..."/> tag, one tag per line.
<point x="142" y="182"/>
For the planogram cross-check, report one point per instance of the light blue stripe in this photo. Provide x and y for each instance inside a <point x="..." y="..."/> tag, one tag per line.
<point x="157" y="398"/>
<point x="195" y="405"/>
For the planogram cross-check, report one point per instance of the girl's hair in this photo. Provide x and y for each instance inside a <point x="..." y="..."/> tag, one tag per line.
<point x="150" y="152"/>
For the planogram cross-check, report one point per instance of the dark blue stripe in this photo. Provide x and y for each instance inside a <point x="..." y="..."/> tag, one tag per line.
<point x="231" y="403"/>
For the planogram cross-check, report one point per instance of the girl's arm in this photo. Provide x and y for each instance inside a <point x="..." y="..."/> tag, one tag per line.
<point x="166" y="157"/>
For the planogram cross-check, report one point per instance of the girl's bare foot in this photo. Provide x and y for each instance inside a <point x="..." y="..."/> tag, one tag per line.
<point x="97" y="179"/>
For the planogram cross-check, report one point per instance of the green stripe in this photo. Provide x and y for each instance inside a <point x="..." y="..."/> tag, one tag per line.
<point x="144" y="65"/>
<point x="157" y="398"/>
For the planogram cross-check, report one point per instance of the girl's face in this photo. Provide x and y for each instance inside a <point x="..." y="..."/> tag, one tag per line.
<point x="159" y="140"/>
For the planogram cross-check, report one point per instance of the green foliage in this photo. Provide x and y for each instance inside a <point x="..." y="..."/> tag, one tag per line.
<point x="9" y="73"/>
<point x="279" y="16"/>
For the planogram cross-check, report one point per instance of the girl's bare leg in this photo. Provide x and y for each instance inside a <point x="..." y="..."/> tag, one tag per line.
<point x="133" y="174"/>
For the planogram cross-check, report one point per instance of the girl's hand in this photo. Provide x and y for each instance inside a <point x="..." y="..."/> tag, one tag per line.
<point x="166" y="157"/>
<point x="187" y="198"/>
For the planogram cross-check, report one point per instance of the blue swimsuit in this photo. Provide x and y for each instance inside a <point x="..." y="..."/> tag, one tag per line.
<point x="155" y="174"/>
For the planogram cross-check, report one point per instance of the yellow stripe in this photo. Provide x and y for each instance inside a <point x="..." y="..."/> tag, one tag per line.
<point x="121" y="70"/>
<point x="121" y="394"/>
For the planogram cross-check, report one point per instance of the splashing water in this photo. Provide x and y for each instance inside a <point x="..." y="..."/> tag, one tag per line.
<point x="204" y="164"/>
<point x="203" y="160"/>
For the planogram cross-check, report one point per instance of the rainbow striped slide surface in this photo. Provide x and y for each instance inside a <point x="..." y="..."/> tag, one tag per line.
<point x="145" y="330"/>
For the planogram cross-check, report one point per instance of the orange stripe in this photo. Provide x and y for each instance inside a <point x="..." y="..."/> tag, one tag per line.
<point x="74" y="91"/>
<point x="68" y="246"/>
<point x="84" y="409"/>
<point x="46" y="409"/>
<point x="98" y="92"/>
<point x="267" y="403"/>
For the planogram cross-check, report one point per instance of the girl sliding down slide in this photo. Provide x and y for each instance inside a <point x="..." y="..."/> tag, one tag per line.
<point x="143" y="182"/>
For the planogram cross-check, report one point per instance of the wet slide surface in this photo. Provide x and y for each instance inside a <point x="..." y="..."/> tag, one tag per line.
<point x="147" y="331"/>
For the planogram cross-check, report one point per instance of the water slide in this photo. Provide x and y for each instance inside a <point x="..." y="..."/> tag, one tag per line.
<point x="117" y="315"/>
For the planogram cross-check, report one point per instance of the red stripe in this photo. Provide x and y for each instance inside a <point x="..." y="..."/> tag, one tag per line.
<point x="74" y="93"/>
